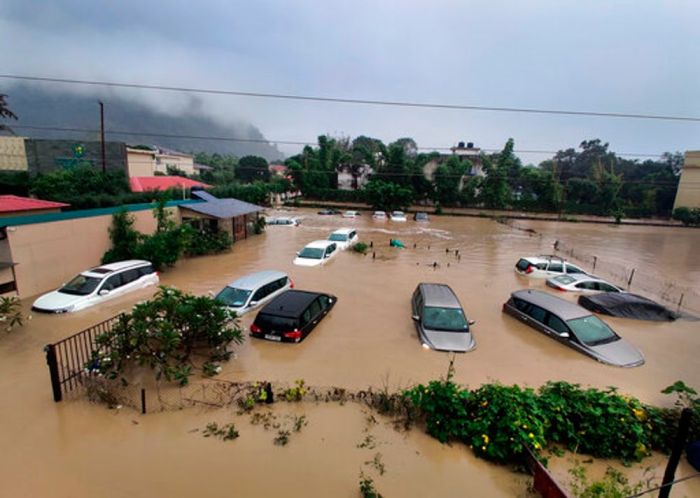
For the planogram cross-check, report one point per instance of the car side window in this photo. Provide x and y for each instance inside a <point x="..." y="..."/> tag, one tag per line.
<point x="541" y="266"/>
<point x="556" y="324"/>
<point x="261" y="293"/>
<point x="129" y="276"/>
<point x="586" y="285"/>
<point x="572" y="269"/>
<point x="146" y="270"/>
<point x="315" y="308"/>
<point x="606" y="287"/>
<point x="282" y="282"/>
<point x="521" y="305"/>
<point x="306" y="317"/>
<point x="555" y="266"/>
<point x="537" y="313"/>
<point x="113" y="282"/>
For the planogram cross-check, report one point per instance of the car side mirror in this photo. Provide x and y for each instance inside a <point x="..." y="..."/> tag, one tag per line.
<point x="564" y="335"/>
<point x="103" y="292"/>
<point x="472" y="322"/>
<point x="298" y="253"/>
<point x="252" y="303"/>
<point x="416" y="317"/>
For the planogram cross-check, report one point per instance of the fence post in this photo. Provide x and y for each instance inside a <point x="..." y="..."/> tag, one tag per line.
<point x="629" y="281"/>
<point x="143" y="401"/>
<point x="680" y="302"/>
<point x="676" y="451"/>
<point x="52" y="362"/>
<point x="595" y="261"/>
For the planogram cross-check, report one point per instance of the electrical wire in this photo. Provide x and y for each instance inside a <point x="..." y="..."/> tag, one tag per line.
<point x="342" y="100"/>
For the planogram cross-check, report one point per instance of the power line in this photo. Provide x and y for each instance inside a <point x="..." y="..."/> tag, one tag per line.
<point x="284" y="142"/>
<point x="343" y="100"/>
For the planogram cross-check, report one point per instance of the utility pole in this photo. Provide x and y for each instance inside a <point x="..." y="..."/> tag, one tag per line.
<point x="102" y="136"/>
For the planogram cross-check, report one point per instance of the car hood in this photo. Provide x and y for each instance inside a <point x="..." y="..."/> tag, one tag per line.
<point x="55" y="300"/>
<point x="619" y="353"/>
<point x="448" y="341"/>
<point x="307" y="261"/>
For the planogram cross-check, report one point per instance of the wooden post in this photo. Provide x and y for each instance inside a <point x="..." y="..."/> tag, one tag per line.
<point x="143" y="401"/>
<point x="629" y="282"/>
<point x="595" y="261"/>
<point x="52" y="362"/>
<point x="680" y="302"/>
<point x="676" y="452"/>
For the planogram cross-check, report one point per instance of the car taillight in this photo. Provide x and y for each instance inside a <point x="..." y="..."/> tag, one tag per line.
<point x="529" y="269"/>
<point x="255" y="329"/>
<point x="291" y="283"/>
<point x="559" y="288"/>
<point x="294" y="334"/>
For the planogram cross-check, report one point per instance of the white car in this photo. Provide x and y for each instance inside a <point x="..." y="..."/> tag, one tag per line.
<point x="545" y="267"/>
<point x="351" y="214"/>
<point x="398" y="216"/>
<point x="316" y="253"/>
<point x="254" y="290"/>
<point x="98" y="285"/>
<point x="379" y="215"/>
<point x="580" y="282"/>
<point x="289" y="222"/>
<point x="344" y="237"/>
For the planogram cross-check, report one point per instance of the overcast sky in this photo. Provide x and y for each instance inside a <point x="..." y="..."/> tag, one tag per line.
<point x="631" y="56"/>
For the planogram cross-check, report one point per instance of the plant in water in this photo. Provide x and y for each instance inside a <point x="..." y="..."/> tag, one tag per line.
<point x="360" y="247"/>
<point x="11" y="312"/>
<point x="297" y="392"/>
<point x="367" y="488"/>
<point x="613" y="484"/>
<point x="226" y="432"/>
<point x="282" y="437"/>
<point x="377" y="463"/>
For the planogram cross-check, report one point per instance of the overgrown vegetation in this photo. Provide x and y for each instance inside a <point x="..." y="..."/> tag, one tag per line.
<point x="173" y="334"/>
<point x="499" y="422"/>
<point x="367" y="488"/>
<point x="613" y="484"/>
<point x="687" y="216"/>
<point x="11" y="313"/>
<point x="360" y="247"/>
<point x="226" y="432"/>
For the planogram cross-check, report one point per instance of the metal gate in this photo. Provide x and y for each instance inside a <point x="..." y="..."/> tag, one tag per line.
<point x="67" y="358"/>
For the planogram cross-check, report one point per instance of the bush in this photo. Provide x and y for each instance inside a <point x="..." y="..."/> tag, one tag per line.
<point x="687" y="216"/>
<point x="10" y="312"/>
<point x="206" y="242"/>
<point x="360" y="247"/>
<point x="164" y="334"/>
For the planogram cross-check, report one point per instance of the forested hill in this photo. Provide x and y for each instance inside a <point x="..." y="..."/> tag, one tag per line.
<point x="36" y="106"/>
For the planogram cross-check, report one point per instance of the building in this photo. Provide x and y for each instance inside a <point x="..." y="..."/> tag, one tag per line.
<point x="688" y="193"/>
<point x="12" y="154"/>
<point x="44" y="155"/>
<point x="278" y="170"/>
<point x="235" y="217"/>
<point x="353" y="177"/>
<point x="162" y="183"/>
<point x="147" y="160"/>
<point x="14" y="205"/>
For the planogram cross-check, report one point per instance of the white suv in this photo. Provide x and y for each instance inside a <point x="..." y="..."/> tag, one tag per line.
<point x="254" y="290"/>
<point x="316" y="253"/>
<point x="97" y="285"/>
<point x="545" y="266"/>
<point x="344" y="237"/>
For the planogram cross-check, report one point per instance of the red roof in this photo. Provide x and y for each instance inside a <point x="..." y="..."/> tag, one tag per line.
<point x="145" y="183"/>
<point x="11" y="203"/>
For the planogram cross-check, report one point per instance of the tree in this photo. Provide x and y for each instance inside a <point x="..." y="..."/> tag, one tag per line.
<point x="251" y="168"/>
<point x="387" y="196"/>
<point x="6" y="113"/>
<point x="410" y="147"/>
<point x="448" y="180"/>
<point x="495" y="191"/>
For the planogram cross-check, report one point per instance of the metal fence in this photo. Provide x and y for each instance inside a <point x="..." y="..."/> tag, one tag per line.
<point x="675" y="295"/>
<point x="67" y="359"/>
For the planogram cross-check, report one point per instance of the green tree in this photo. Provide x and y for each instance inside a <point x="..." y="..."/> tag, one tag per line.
<point x="447" y="180"/>
<point x="387" y="196"/>
<point x="251" y="168"/>
<point x="6" y="113"/>
<point x="495" y="190"/>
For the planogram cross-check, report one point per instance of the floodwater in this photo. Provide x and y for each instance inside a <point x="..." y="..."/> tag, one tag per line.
<point x="77" y="449"/>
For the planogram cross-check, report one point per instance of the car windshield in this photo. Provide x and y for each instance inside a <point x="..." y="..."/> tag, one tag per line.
<point x="450" y="319"/>
<point x="312" y="253"/>
<point x="338" y="237"/>
<point x="565" y="280"/>
<point x="230" y="296"/>
<point x="397" y="213"/>
<point x="591" y="330"/>
<point x="82" y="285"/>
<point x="273" y="322"/>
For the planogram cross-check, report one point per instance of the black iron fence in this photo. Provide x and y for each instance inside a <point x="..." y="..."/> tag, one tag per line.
<point x="68" y="358"/>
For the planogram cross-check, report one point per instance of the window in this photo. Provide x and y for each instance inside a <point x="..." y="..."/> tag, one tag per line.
<point x="81" y="285"/>
<point x="311" y="253"/>
<point x="555" y="266"/>
<point x="325" y="302"/>
<point x="130" y="275"/>
<point x="261" y="293"/>
<point x="146" y="270"/>
<point x="449" y="319"/>
<point x="572" y="269"/>
<point x="587" y="286"/>
<point x="113" y="282"/>
<point x="338" y="237"/>
<point x="233" y="297"/>
<point x="606" y="287"/>
<point x="523" y="264"/>
<point x="556" y="324"/>
<point x="306" y="317"/>
<point x="541" y="266"/>
<point x="315" y="308"/>
<point x="537" y="313"/>
<point x="521" y="305"/>
<point x="591" y="330"/>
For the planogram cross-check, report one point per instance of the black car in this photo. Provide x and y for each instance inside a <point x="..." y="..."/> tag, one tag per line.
<point x="292" y="315"/>
<point x="329" y="211"/>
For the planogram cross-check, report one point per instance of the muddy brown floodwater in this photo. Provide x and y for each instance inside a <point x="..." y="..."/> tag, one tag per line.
<point x="78" y="449"/>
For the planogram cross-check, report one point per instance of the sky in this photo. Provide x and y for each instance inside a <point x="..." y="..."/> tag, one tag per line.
<point x="632" y="56"/>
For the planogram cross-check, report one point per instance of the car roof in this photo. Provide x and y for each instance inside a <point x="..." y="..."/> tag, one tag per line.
<point x="320" y="243"/>
<point x="544" y="258"/>
<point x="439" y="295"/>
<point x="290" y="303"/>
<point x="103" y="270"/>
<point x="581" y="277"/>
<point x="343" y="231"/>
<point x="255" y="280"/>
<point x="564" y="309"/>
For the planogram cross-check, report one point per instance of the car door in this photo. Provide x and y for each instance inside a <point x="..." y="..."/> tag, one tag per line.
<point x="113" y="285"/>
<point x="315" y="314"/>
<point x="587" y="287"/>
<point x="555" y="268"/>
<point x="130" y="280"/>
<point x="259" y="296"/>
<point x="556" y="327"/>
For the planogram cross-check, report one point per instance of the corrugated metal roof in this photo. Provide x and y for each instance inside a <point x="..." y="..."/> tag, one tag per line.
<point x="223" y="208"/>
<point x="203" y="195"/>
<point x="146" y="183"/>
<point x="10" y="203"/>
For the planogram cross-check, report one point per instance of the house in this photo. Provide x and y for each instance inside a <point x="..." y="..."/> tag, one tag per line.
<point x="464" y="152"/>
<point x="688" y="194"/>
<point x="161" y="183"/>
<point x="353" y="177"/>
<point x="147" y="160"/>
<point x="14" y="205"/>
<point x="278" y="170"/>
<point x="237" y="218"/>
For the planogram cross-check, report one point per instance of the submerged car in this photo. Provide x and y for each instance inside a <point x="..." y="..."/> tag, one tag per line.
<point x="379" y="215"/>
<point x="627" y="305"/>
<point x="580" y="282"/>
<point x="328" y="212"/>
<point x="351" y="214"/>
<point x="344" y="237"/>
<point x="97" y="285"/>
<point x="440" y="320"/>
<point x="545" y="266"/>
<point x="398" y="216"/>
<point x="316" y="253"/>
<point x="420" y="216"/>
<point x="254" y="290"/>
<point x="572" y="326"/>
<point x="289" y="222"/>
<point x="292" y="315"/>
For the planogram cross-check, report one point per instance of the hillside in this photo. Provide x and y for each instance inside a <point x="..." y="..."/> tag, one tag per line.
<point x="36" y="106"/>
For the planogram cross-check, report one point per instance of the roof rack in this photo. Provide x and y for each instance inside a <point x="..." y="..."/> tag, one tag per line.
<point x="551" y="256"/>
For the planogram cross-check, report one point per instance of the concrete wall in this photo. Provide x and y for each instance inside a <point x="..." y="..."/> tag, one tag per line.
<point x="12" y="154"/>
<point x="140" y="162"/>
<point x="48" y="155"/>
<point x="688" y="194"/>
<point x="49" y="254"/>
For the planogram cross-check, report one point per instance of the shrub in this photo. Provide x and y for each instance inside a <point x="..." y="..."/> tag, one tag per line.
<point x="11" y="312"/>
<point x="360" y="247"/>
<point x="687" y="216"/>
<point x="206" y="242"/>
<point x="164" y="334"/>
